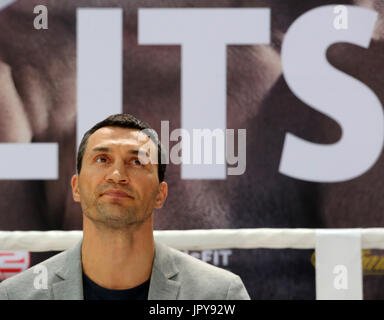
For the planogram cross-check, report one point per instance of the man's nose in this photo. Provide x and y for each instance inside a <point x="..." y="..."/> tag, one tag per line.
<point x="118" y="174"/>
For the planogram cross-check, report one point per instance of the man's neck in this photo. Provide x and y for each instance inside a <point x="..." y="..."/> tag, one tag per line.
<point x="118" y="259"/>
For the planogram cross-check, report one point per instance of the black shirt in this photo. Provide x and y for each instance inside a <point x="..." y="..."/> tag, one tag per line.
<point x="93" y="291"/>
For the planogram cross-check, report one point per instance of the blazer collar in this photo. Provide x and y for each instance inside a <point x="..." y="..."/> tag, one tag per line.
<point x="163" y="286"/>
<point x="71" y="273"/>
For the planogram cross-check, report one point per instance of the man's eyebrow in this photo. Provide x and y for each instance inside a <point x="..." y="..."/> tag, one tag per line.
<point x="106" y="149"/>
<point x="139" y="152"/>
<point x="100" y="149"/>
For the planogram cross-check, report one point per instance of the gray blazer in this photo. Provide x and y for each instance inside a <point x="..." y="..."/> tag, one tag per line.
<point x="175" y="275"/>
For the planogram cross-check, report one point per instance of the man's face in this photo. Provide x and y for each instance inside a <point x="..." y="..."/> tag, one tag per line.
<point x="115" y="187"/>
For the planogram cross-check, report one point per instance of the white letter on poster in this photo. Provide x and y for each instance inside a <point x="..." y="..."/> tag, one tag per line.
<point x="339" y="96"/>
<point x="99" y="66"/>
<point x="203" y="35"/>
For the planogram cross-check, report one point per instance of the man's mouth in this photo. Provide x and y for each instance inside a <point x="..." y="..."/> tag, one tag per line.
<point x="116" y="194"/>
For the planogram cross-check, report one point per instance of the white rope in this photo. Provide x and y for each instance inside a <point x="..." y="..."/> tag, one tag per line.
<point x="271" y="238"/>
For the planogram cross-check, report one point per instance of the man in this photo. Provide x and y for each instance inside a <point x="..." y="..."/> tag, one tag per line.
<point x="120" y="181"/>
<point x="38" y="104"/>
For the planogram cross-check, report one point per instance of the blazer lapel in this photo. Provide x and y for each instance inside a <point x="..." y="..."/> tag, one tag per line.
<point x="163" y="286"/>
<point x="70" y="285"/>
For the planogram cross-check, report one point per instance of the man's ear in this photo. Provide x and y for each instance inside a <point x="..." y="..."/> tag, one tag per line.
<point x="161" y="195"/>
<point x="75" y="188"/>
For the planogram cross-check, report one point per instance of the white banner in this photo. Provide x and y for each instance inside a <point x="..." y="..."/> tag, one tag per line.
<point x="338" y="264"/>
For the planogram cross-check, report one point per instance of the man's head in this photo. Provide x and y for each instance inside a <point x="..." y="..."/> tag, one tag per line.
<point x="124" y="121"/>
<point x="119" y="182"/>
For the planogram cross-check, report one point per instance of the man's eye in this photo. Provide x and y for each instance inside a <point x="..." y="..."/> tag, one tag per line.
<point x="137" y="162"/>
<point x="101" y="159"/>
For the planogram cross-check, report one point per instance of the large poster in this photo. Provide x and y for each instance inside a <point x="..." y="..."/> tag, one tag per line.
<point x="305" y="85"/>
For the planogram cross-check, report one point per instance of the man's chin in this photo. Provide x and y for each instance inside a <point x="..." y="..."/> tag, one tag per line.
<point x="115" y="221"/>
<point x="116" y="211"/>
<point x="116" y="216"/>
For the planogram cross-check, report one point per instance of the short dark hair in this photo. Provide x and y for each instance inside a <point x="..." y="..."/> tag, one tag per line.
<point x="125" y="121"/>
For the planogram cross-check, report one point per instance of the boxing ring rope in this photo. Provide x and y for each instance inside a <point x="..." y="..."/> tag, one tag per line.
<point x="269" y="238"/>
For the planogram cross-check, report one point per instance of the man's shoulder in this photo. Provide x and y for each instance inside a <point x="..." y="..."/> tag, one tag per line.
<point x="201" y="280"/>
<point x="196" y="267"/>
<point x="25" y="285"/>
<point x="51" y="264"/>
